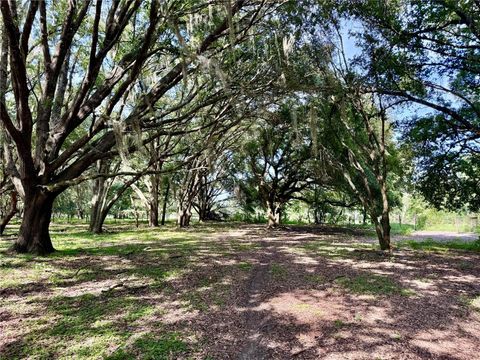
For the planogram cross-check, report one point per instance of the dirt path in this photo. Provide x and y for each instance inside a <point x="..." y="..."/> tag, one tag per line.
<point x="255" y="293"/>
<point x="254" y="322"/>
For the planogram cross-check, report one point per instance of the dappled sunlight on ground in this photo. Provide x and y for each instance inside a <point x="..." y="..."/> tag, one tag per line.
<point x="217" y="291"/>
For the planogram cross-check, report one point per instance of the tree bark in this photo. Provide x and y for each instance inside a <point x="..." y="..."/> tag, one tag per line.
<point x="153" y="205"/>
<point x="13" y="210"/>
<point x="96" y="224"/>
<point x="184" y="216"/>
<point x="316" y="216"/>
<point x="100" y="190"/>
<point x="385" y="242"/>
<point x="165" y="202"/>
<point x="154" y="190"/>
<point x="34" y="236"/>
<point x="273" y="216"/>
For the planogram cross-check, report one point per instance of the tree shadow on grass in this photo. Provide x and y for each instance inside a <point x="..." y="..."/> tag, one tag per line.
<point x="255" y="294"/>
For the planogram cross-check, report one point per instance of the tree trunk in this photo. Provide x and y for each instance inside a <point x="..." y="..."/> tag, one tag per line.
<point x="382" y="228"/>
<point x="165" y="202"/>
<point x="204" y="213"/>
<point x="316" y="216"/>
<point x="385" y="242"/>
<point x="100" y="191"/>
<point x="96" y="221"/>
<point x="273" y="216"/>
<point x="153" y="203"/>
<point x="153" y="213"/>
<point x="34" y="236"/>
<point x="184" y="216"/>
<point x="11" y="213"/>
<point x="96" y="224"/>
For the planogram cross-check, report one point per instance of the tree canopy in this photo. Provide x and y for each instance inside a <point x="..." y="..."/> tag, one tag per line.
<point x="247" y="103"/>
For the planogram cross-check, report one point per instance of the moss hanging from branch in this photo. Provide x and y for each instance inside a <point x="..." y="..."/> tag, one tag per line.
<point x="231" y="29"/>
<point x="294" y="116"/>
<point x="183" y="51"/>
<point x="313" y="130"/>
<point x="120" y="137"/>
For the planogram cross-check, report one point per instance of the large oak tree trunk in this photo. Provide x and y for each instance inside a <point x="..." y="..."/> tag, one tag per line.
<point x="34" y="236"/>
<point x="98" y="202"/>
<point x="96" y="224"/>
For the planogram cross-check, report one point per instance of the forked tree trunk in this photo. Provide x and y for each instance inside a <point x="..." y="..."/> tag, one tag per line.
<point x="96" y="223"/>
<point x="273" y="216"/>
<point x="184" y="216"/>
<point x="34" y="237"/>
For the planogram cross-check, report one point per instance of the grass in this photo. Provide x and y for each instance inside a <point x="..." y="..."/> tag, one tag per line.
<point x="245" y="266"/>
<point x="371" y="285"/>
<point x="86" y="299"/>
<point x="334" y="250"/>
<point x="151" y="347"/>
<point x="315" y="279"/>
<point x="339" y="324"/>
<point x="452" y="227"/>
<point x="401" y="229"/>
<point x="475" y="303"/>
<point x="395" y="228"/>
<point x="131" y="293"/>
<point x="278" y="270"/>
<point x="431" y="245"/>
<point x="470" y="302"/>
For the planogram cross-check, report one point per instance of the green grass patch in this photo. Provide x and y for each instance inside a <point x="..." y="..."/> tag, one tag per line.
<point x="339" y="324"/>
<point x="278" y="270"/>
<point x="431" y="245"/>
<point x="195" y="301"/>
<point x="75" y="316"/>
<point x="471" y="302"/>
<point x="335" y="250"/>
<point x="372" y="285"/>
<point x="149" y="347"/>
<point x="245" y="266"/>
<point x="315" y="279"/>
<point x="401" y="229"/>
<point x="475" y="303"/>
